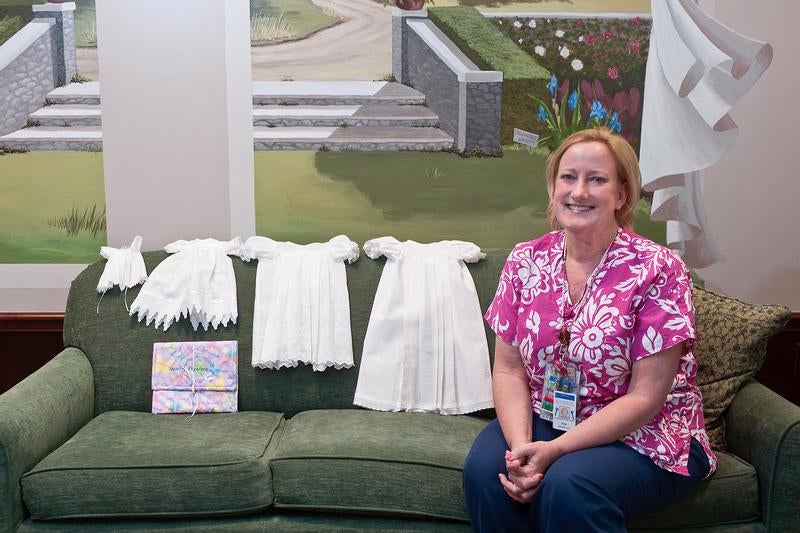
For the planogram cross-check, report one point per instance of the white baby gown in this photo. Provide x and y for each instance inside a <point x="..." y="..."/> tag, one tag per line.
<point x="124" y="268"/>
<point x="196" y="281"/>
<point x="425" y="347"/>
<point x="302" y="310"/>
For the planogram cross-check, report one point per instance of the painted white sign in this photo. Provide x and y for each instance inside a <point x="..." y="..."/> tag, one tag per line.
<point x="525" y="137"/>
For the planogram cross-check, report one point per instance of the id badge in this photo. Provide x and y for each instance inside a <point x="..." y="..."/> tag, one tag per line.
<point x="564" y="381"/>
<point x="565" y="404"/>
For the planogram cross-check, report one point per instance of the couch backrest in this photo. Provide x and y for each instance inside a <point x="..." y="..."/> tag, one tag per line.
<point x="120" y="348"/>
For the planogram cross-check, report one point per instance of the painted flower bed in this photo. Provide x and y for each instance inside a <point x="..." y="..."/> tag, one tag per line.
<point x="604" y="59"/>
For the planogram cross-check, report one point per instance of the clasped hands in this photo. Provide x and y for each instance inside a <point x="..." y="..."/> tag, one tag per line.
<point x="526" y="465"/>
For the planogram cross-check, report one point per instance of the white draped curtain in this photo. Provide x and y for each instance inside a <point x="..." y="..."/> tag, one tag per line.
<point x="697" y="69"/>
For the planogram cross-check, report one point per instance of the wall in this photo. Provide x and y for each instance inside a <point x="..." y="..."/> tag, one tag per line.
<point x="177" y="119"/>
<point x="751" y="194"/>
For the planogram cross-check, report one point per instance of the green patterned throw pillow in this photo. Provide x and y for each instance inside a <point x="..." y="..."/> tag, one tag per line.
<point x="731" y="346"/>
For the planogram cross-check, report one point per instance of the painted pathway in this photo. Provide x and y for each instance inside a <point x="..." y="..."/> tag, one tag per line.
<point x="358" y="49"/>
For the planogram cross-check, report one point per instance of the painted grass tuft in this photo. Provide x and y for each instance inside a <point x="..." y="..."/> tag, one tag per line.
<point x="265" y="28"/>
<point x="90" y="219"/>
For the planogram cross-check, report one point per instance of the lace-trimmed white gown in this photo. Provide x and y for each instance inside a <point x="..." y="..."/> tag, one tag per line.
<point x="196" y="281"/>
<point x="302" y="309"/>
<point x="425" y="347"/>
<point x="124" y="268"/>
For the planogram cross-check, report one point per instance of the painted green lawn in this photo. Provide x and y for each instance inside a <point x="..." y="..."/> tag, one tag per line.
<point x="40" y="185"/>
<point x="305" y="197"/>
<point x="494" y="202"/>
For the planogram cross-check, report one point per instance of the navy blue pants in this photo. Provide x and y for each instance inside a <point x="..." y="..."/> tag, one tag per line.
<point x="596" y="489"/>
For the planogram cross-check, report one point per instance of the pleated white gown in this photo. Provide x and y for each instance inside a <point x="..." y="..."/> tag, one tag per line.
<point x="425" y="347"/>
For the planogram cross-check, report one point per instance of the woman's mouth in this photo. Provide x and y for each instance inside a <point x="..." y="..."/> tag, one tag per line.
<point x="575" y="208"/>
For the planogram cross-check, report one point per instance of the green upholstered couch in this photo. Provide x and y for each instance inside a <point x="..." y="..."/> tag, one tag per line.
<point x="80" y="451"/>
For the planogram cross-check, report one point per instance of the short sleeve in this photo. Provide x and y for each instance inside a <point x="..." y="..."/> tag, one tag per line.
<point x="235" y="247"/>
<point x="260" y="248"/>
<point x="665" y="317"/>
<point x="467" y="251"/>
<point x="108" y="252"/>
<point x="504" y="309"/>
<point x="343" y="249"/>
<point x="176" y="246"/>
<point x="388" y="246"/>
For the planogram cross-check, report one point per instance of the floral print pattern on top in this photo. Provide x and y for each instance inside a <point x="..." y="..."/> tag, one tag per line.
<point x="638" y="303"/>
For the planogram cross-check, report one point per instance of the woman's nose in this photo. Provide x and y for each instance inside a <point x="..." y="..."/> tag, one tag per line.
<point x="580" y="190"/>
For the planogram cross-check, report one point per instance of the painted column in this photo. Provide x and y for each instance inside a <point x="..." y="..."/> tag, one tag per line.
<point x="176" y="93"/>
<point x="400" y="41"/>
<point x="63" y="38"/>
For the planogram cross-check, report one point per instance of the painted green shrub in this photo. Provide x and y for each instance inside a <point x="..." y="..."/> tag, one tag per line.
<point x="9" y="26"/>
<point x="488" y="48"/>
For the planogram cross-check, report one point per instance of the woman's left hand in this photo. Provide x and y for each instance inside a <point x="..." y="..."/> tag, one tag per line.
<point x="532" y="458"/>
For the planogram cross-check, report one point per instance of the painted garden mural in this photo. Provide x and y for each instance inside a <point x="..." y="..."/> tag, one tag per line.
<point x="52" y="200"/>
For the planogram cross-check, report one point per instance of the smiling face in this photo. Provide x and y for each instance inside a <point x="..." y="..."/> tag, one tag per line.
<point x="587" y="190"/>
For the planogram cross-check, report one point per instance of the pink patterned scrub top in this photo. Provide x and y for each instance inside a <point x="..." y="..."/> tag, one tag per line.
<point x="638" y="302"/>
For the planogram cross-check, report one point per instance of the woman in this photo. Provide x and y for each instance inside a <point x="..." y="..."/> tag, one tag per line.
<point x="607" y="315"/>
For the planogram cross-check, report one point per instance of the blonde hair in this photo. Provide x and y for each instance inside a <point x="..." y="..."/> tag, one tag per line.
<point x="628" y="172"/>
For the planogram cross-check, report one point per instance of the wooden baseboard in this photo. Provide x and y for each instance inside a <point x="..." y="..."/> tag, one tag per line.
<point x="33" y="322"/>
<point x="28" y="341"/>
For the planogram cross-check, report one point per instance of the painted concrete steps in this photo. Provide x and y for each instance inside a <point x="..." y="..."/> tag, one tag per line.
<point x="78" y="138"/>
<point x="362" y="138"/>
<point x="75" y="93"/>
<point x="280" y="92"/>
<point x="294" y="115"/>
<point x="347" y="115"/>
<point x="65" y="115"/>
<point x="333" y="93"/>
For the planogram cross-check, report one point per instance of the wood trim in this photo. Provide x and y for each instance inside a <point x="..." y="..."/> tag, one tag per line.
<point x="32" y="322"/>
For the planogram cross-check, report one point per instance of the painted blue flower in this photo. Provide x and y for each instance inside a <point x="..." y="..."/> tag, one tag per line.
<point x="614" y="124"/>
<point x="573" y="100"/>
<point x="553" y="85"/>
<point x="598" y="112"/>
<point x="541" y="114"/>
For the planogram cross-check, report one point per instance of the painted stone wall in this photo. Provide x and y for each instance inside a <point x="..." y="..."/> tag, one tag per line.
<point x="27" y="78"/>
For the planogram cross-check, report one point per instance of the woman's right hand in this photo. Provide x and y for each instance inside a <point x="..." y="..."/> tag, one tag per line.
<point x="522" y="481"/>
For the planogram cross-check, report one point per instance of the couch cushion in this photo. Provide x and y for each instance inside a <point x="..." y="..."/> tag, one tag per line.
<point x="411" y="463"/>
<point x="731" y="345"/>
<point x="366" y="461"/>
<point x="730" y="496"/>
<point x="138" y="464"/>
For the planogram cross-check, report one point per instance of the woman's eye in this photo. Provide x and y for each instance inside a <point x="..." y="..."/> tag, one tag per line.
<point x="567" y="177"/>
<point x="598" y="179"/>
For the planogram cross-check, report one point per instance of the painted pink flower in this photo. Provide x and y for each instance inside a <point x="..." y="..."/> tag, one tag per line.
<point x="579" y="22"/>
<point x="613" y="73"/>
<point x="607" y="35"/>
<point x="634" y="48"/>
<point x="636" y="21"/>
<point x="589" y="39"/>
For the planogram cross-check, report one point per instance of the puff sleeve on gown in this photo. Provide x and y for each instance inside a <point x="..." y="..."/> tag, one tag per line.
<point x="197" y="281"/>
<point x="425" y="348"/>
<point x="302" y="309"/>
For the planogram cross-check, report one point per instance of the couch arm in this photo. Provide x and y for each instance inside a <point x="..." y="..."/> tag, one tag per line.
<point x="764" y="429"/>
<point x="37" y="416"/>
